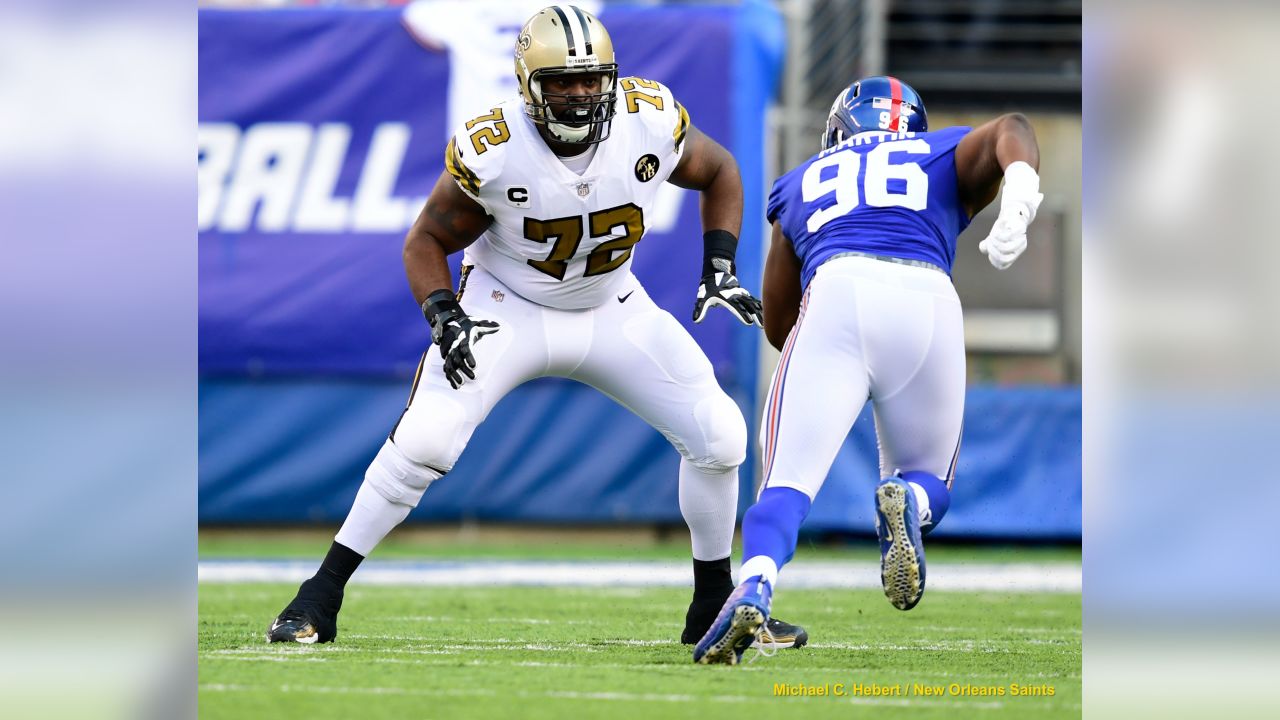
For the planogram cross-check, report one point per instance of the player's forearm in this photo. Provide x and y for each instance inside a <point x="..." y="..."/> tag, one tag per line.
<point x="1016" y="142"/>
<point x="781" y="291"/>
<point x="721" y="205"/>
<point x="721" y="200"/>
<point x="426" y="265"/>
<point x="781" y="298"/>
<point x="778" y="322"/>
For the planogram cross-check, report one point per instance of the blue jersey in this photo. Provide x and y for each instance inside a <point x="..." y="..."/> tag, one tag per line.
<point x="880" y="193"/>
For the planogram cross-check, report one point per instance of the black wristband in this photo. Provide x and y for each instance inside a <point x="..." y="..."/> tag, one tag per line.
<point x="718" y="244"/>
<point x="441" y="305"/>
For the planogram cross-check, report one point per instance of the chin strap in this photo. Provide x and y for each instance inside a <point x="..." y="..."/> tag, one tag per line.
<point x="568" y="133"/>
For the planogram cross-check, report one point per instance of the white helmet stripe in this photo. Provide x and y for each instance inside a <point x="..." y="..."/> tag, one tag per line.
<point x="586" y="29"/>
<point x="575" y="30"/>
<point x="564" y="23"/>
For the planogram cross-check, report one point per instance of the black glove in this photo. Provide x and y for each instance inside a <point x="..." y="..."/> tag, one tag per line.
<point x="721" y="288"/>
<point x="455" y="332"/>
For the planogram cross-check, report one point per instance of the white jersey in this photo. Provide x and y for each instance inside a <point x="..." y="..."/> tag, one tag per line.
<point x="561" y="239"/>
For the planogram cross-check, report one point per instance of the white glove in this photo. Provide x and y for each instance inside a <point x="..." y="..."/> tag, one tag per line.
<point x="1018" y="204"/>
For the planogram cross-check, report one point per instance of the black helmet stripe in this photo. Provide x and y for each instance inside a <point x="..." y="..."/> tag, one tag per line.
<point x="586" y="30"/>
<point x="568" y="31"/>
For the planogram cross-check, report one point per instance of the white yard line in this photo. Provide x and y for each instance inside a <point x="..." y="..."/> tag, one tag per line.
<point x="573" y="695"/>
<point x="301" y="654"/>
<point x="968" y="577"/>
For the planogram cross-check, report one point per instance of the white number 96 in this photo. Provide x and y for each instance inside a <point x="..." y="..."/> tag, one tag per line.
<point x="879" y="171"/>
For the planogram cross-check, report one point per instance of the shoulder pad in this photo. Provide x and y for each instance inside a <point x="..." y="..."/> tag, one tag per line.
<point x="657" y="108"/>
<point x="475" y="153"/>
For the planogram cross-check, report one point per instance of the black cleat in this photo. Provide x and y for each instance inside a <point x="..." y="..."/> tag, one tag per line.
<point x="702" y="613"/>
<point x="697" y="621"/>
<point x="312" y="616"/>
<point x="785" y="635"/>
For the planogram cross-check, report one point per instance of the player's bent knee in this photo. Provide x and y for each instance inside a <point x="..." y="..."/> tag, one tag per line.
<point x="397" y="478"/>
<point x="936" y="498"/>
<point x="725" y="432"/>
<point x="434" y="431"/>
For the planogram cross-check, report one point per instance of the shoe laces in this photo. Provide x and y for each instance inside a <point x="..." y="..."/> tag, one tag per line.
<point x="764" y="639"/>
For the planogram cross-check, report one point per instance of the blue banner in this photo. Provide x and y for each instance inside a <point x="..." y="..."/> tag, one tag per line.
<point x="322" y="132"/>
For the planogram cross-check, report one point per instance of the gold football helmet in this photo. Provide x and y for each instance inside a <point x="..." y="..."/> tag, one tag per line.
<point x="566" y="40"/>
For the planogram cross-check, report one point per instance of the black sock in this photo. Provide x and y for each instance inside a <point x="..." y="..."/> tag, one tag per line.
<point x="712" y="578"/>
<point x="340" y="563"/>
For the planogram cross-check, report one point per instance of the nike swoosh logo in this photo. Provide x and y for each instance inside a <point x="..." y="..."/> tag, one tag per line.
<point x="623" y="298"/>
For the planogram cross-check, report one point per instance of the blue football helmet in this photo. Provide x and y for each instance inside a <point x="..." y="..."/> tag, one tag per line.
<point x="879" y="103"/>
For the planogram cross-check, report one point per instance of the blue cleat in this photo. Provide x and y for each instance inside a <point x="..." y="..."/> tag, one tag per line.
<point x="739" y="623"/>
<point x="901" y="549"/>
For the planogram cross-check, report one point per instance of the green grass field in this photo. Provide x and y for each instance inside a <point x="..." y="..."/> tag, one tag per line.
<point x="551" y="652"/>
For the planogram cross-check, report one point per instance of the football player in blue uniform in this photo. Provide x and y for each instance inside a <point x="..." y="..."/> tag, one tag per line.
<point x="859" y="300"/>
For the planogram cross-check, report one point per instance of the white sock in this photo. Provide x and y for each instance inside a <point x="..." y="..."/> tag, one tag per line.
<point x="761" y="565"/>
<point x="709" y="504"/>
<point x="371" y="518"/>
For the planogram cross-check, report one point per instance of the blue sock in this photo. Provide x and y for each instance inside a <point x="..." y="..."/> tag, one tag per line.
<point x="771" y="526"/>
<point x="939" y="497"/>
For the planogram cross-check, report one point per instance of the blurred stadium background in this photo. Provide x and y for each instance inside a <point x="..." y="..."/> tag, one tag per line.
<point x="321" y="131"/>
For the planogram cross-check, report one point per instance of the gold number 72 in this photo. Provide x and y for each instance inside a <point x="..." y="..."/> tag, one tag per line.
<point x="565" y="235"/>
<point x="488" y="136"/>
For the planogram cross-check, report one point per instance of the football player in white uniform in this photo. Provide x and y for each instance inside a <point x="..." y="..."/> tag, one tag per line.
<point x="547" y="193"/>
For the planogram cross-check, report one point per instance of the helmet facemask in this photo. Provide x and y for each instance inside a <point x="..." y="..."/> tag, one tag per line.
<point x="583" y="119"/>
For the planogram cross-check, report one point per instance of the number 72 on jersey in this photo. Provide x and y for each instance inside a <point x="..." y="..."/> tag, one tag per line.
<point x="565" y="235"/>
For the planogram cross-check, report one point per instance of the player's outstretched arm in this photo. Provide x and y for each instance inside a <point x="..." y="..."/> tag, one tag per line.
<point x="708" y="168"/>
<point x="1004" y="148"/>
<point x="781" y="288"/>
<point x="449" y="222"/>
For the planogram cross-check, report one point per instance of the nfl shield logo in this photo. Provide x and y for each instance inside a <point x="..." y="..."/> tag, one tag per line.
<point x="498" y="295"/>
<point x="584" y="189"/>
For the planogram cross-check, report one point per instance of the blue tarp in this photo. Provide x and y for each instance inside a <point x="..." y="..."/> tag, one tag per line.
<point x="295" y="450"/>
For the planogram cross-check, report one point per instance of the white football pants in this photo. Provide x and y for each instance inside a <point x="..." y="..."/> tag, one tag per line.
<point x="628" y="348"/>
<point x="868" y="330"/>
